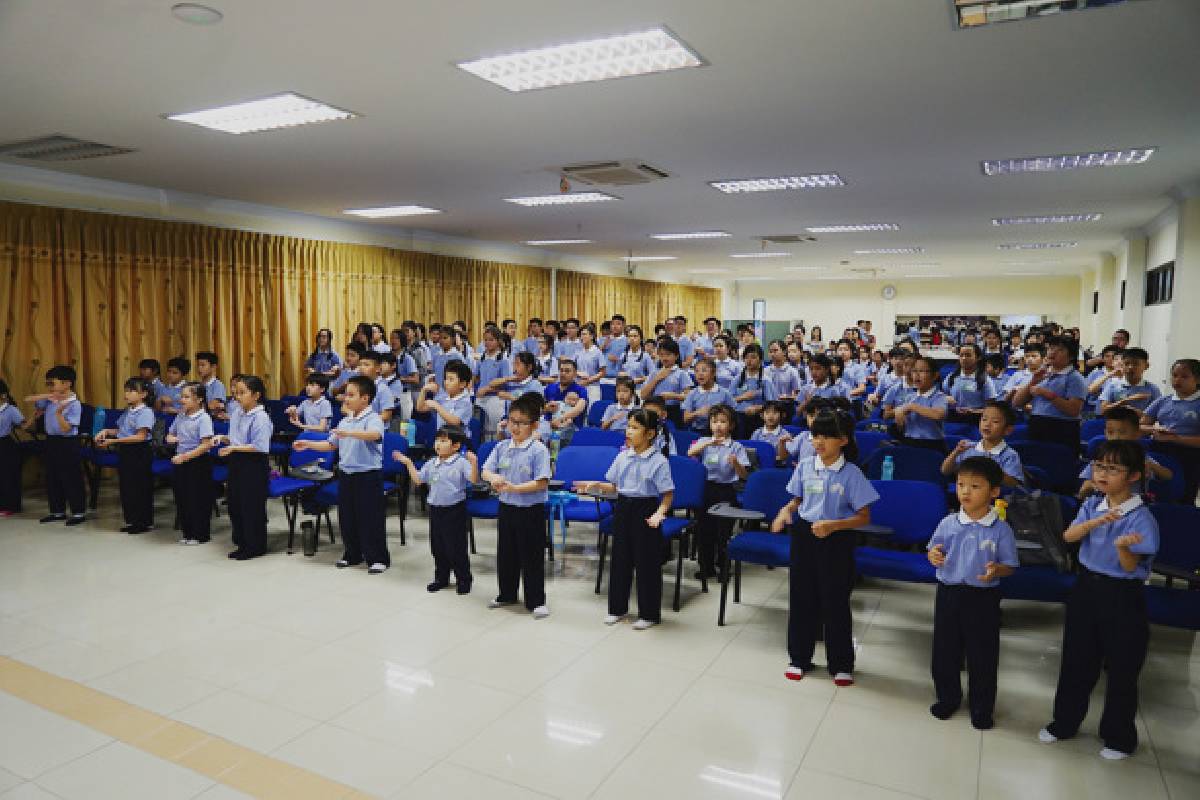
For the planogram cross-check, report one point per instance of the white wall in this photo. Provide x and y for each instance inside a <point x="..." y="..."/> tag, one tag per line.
<point x="1156" y="320"/>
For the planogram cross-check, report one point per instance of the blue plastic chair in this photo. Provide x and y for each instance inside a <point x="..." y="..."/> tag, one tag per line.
<point x="1039" y="582"/>
<point x="1175" y="608"/>
<point x="1091" y="428"/>
<point x="683" y="440"/>
<point x="909" y="464"/>
<point x="868" y="442"/>
<point x="397" y="475"/>
<point x="482" y="506"/>
<point x="585" y="463"/>
<point x="1060" y="464"/>
<point x="912" y="510"/>
<point x="595" y="413"/>
<point x="597" y="437"/>
<point x="764" y="454"/>
<point x="1168" y="491"/>
<point x="1178" y="556"/>
<point x="961" y="429"/>
<point x="289" y="489"/>
<point x="766" y="492"/>
<point x="608" y="392"/>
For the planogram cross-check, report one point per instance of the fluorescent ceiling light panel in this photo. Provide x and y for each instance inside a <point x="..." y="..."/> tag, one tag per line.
<point x="890" y="251"/>
<point x="746" y="185"/>
<point x="269" y="113"/>
<point x="648" y="258"/>
<point x="542" y="242"/>
<point x="1036" y="245"/>
<point x="692" y="235"/>
<point x="1048" y="219"/>
<point x="866" y="227"/>
<point x="640" y="53"/>
<point x="1101" y="158"/>
<point x="570" y="199"/>
<point x="391" y="211"/>
<point x="759" y="255"/>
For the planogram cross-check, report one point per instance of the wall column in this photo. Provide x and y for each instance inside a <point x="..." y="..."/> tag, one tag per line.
<point x="1134" y="255"/>
<point x="1183" y="341"/>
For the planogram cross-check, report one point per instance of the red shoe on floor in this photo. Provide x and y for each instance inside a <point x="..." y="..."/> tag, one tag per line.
<point x="843" y="679"/>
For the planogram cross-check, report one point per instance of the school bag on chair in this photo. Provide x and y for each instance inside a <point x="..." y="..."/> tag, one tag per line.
<point x="1037" y="522"/>
<point x="158" y="439"/>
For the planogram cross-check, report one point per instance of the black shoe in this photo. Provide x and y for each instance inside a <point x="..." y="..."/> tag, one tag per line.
<point x="235" y="554"/>
<point x="943" y="710"/>
<point x="705" y="575"/>
<point x="982" y="722"/>
<point x="135" y="529"/>
<point x="246" y="555"/>
<point x="463" y="588"/>
<point x="127" y="528"/>
<point x="76" y="519"/>
<point x="52" y="518"/>
<point x="343" y="563"/>
<point x="436" y="586"/>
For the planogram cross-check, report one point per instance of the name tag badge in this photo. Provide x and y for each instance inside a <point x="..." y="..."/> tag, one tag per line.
<point x="504" y="464"/>
<point x="712" y="458"/>
<point x="434" y="478"/>
<point x="814" y="486"/>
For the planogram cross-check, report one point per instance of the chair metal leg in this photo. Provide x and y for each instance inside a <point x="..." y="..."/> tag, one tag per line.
<point x="737" y="581"/>
<point x="602" y="546"/>
<point x="683" y="543"/>
<point x="471" y="534"/>
<point x="550" y="537"/>
<point x="291" y="510"/>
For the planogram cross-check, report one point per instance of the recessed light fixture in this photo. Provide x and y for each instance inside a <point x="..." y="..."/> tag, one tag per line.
<point x="640" y="53"/>
<point x="1036" y="245"/>
<point x="709" y="271"/>
<point x="866" y="227"/>
<point x="546" y="242"/>
<point x="570" y="199"/>
<point x="196" y="14"/>
<point x="268" y="113"/>
<point x="890" y="251"/>
<point x="691" y="235"/>
<point x="648" y="258"/>
<point x="1047" y="219"/>
<point x="391" y="211"/>
<point x="759" y="255"/>
<point x="745" y="185"/>
<point x="1100" y="158"/>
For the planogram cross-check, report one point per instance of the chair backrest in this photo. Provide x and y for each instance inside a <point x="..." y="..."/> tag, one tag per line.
<point x="683" y="440"/>
<point x="1091" y="428"/>
<point x="475" y="431"/>
<point x="584" y="463"/>
<point x="1059" y="462"/>
<point x="597" y="437"/>
<point x="87" y="419"/>
<point x="425" y="432"/>
<point x="961" y="429"/>
<point x="765" y="454"/>
<point x="608" y="392"/>
<point x="1179" y="535"/>
<point x="945" y="370"/>
<point x="912" y="509"/>
<point x="868" y="443"/>
<point x="1020" y="433"/>
<point x="595" y="412"/>
<point x="297" y="458"/>
<point x="688" y="474"/>
<point x="277" y="410"/>
<point x="766" y="491"/>
<point x="1168" y="491"/>
<point x="1092" y="443"/>
<point x="393" y="443"/>
<point x="220" y="427"/>
<point x="909" y="464"/>
<point x="485" y="450"/>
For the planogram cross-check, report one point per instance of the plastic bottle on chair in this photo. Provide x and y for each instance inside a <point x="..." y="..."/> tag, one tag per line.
<point x="887" y="469"/>
<point x="555" y="444"/>
<point x="410" y="432"/>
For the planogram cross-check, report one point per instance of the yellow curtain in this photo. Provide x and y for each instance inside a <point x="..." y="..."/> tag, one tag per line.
<point x="102" y="291"/>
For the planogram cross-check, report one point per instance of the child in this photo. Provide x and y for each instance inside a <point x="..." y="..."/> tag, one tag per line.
<point x="547" y="361"/>
<point x="61" y="411"/>
<point x="641" y="477"/>
<point x="192" y="434"/>
<point x="972" y="549"/>
<point x="518" y="469"/>
<point x="1106" y="626"/>
<point x="725" y="368"/>
<point x="854" y="374"/>
<point x="635" y="362"/>
<point x="1174" y="423"/>
<point x="1105" y="371"/>
<point x="388" y="378"/>
<point x="382" y="401"/>
<point x="725" y="463"/>
<point x="566" y="400"/>
<point x="246" y="450"/>
<point x="783" y="377"/>
<point x="354" y="352"/>
<point x="134" y="456"/>
<point x="589" y="364"/>
<point x="452" y="405"/>
<point x="993" y="365"/>
<point x="800" y="447"/>
<point x="1129" y="387"/>
<point x="664" y="442"/>
<point x="1057" y="392"/>
<point x="214" y="390"/>
<point x="772" y="431"/>
<point x="616" y="416"/>
<point x="314" y="411"/>
<point x="492" y="372"/>
<point x="358" y="440"/>
<point x="968" y="386"/>
<point x="919" y="418"/>
<point x="750" y="391"/>
<point x="821" y="368"/>
<point x="704" y="396"/>
<point x="524" y="378"/>
<point x="895" y="373"/>
<point x="323" y="359"/>
<point x="1032" y="359"/>
<point x="670" y="382"/>
<point x="996" y="421"/>
<point x="1123" y="424"/>
<point x="449" y="476"/>
<point x="408" y="375"/>
<point x="10" y="455"/>
<point x="568" y="346"/>
<point x="833" y="498"/>
<point x="168" y="393"/>
<point x="446" y="352"/>
<point x="150" y="371"/>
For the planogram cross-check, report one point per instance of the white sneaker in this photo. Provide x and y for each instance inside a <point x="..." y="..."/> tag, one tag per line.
<point x="1113" y="755"/>
<point x="1046" y="737"/>
<point x="376" y="569"/>
<point x="612" y="619"/>
<point x="183" y="541"/>
<point x="191" y="542"/>
<point x="497" y="603"/>
<point x="541" y="612"/>
<point x="643" y="624"/>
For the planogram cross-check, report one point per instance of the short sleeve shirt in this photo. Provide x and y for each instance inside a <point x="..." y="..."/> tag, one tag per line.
<point x="646" y="474"/>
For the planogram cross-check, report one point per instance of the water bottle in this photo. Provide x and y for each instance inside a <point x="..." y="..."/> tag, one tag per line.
<point x="410" y="433"/>
<point x="888" y="469"/>
<point x="555" y="443"/>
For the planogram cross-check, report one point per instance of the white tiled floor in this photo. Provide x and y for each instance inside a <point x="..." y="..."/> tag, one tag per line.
<point x="372" y="682"/>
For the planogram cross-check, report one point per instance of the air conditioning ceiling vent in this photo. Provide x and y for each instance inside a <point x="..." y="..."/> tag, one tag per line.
<point x="630" y="172"/>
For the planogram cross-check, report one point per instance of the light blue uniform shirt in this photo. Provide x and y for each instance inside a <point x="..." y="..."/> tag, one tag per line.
<point x="801" y="447"/>
<point x="854" y="374"/>
<point x="72" y="412"/>
<point x="885" y="380"/>
<point x="704" y="344"/>
<point x="763" y="390"/>
<point x="618" y="415"/>
<point x="172" y="393"/>
<point x="636" y="365"/>
<point x="727" y="372"/>
<point x="518" y="388"/>
<point x="1008" y="459"/>
<point x="359" y="455"/>
<point x="448" y="479"/>
<point x="966" y="392"/>
<point x="252" y="427"/>
<point x="322" y="361"/>
<point x="489" y="368"/>
<point x="568" y="348"/>
<point x="1067" y="384"/>
<point x="615" y="346"/>
<point x="342" y="378"/>
<point x="406" y="367"/>
<point x="590" y="362"/>
<point x="677" y="381"/>
<point x="384" y="399"/>
<point x="918" y="427"/>
<point x="770" y="437"/>
<point x="785" y="379"/>
<point x="1177" y="415"/>
<point x="547" y="366"/>
<point x="970" y="544"/>
<point x="190" y="429"/>
<point x="827" y="390"/>
<point x="529" y="461"/>
<point x="665" y="439"/>
<point x="716" y="460"/>
<point x="312" y="412"/>
<point x="530" y="344"/>
<point x="10" y="418"/>
<point x="646" y="474"/>
<point x="828" y="493"/>
<point x="135" y="419"/>
<point x="699" y="399"/>
<point x="1017" y="380"/>
<point x="440" y="359"/>
<point x="214" y="390"/>
<point x="686" y="348"/>
<point x="1119" y="388"/>
<point x="1097" y="551"/>
<point x="461" y="406"/>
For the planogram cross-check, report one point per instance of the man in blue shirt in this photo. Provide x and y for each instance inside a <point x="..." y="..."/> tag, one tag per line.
<point x="566" y="400"/>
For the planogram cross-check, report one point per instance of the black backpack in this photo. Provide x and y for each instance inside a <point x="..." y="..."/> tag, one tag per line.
<point x="1037" y="522"/>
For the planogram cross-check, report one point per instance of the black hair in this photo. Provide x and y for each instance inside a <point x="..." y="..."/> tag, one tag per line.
<point x="1123" y="414"/>
<point x="618" y="318"/>
<point x="773" y="404"/>
<point x="534" y="321"/>
<point x="4" y="391"/>
<point x="180" y="363"/>
<point x="723" y="410"/>
<point x="706" y="360"/>
<point x="530" y="404"/>
<point x="365" y="386"/>
<point x="198" y="390"/>
<point x="62" y="372"/>
<point x="529" y="360"/>
<point x="1066" y="343"/>
<point x="648" y="418"/>
<point x="139" y="385"/>
<point x="631" y="385"/>
<point x="454" y="433"/>
<point x="821" y="360"/>
<point x="317" y="338"/>
<point x="1192" y="365"/>
<point x="1135" y="353"/>
<point x="207" y="355"/>
<point x="1110" y="348"/>
<point x="753" y="347"/>
<point x="668" y="344"/>
<point x="371" y="355"/>
<point x="500" y="338"/>
<point x="318" y="379"/>
<point x="255" y="385"/>
<point x="356" y="347"/>
<point x="655" y="400"/>
<point x="386" y="358"/>
<point x="459" y="369"/>
<point x="837" y="424"/>
<point x="150" y="363"/>
<point x="983" y="467"/>
<point x="853" y="345"/>
<point x="1009" y="413"/>
<point x="995" y="361"/>
<point x="1123" y="452"/>
<point x="402" y="335"/>
<point x="570" y="361"/>
<point x="1036" y="347"/>
<point x="980" y="372"/>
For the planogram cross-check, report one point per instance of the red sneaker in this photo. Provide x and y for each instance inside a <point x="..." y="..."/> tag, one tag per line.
<point x="793" y="673"/>
<point x="843" y="679"/>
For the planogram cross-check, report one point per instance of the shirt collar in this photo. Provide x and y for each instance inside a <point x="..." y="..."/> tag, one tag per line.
<point x="253" y="411"/>
<point x="836" y="466"/>
<point x="138" y="407"/>
<point x="514" y="445"/>
<point x="928" y="393"/>
<point x="986" y="520"/>
<point x="716" y="387"/>
<point x="360" y="415"/>
<point x="1068" y="368"/>
<point x="453" y="457"/>
<point x="995" y="451"/>
<point x="210" y="381"/>
<point x="199" y="411"/>
<point x="1125" y="508"/>
<point x="648" y="454"/>
<point x="1193" y="396"/>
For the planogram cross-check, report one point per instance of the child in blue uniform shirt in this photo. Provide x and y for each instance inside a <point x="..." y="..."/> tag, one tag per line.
<point x="725" y="368"/>
<point x="314" y="411"/>
<point x="10" y="455"/>
<point x="449" y="477"/>
<point x="518" y="469"/>
<point x="968" y="386"/>
<point x="1057" y="392"/>
<point x="641" y="477"/>
<point x="919" y="418"/>
<point x="358" y="439"/>
<point x="191" y="433"/>
<point x="750" y="391"/>
<point x="635" y="361"/>
<point x="670" y="382"/>
<point x="214" y="390"/>
<point x="1129" y="387"/>
<point x="324" y="359"/>
<point x="492" y="373"/>
<point x="1123" y="423"/>
<point x="150" y="370"/>
<point x="383" y="402"/>
<point x="616" y="415"/>
<point x="772" y="431"/>
<point x="168" y="392"/>
<point x="452" y="405"/>
<point x="61" y="411"/>
<point x="134" y="456"/>
<point x="706" y="394"/>
<point x="1106" y="626"/>
<point x="1174" y="423"/>
<point x="354" y="351"/>
<point x="822" y="386"/>
<point x="664" y="440"/>
<point x="725" y="463"/>
<point x="830" y="499"/>
<point x="546" y="359"/>
<point x="972" y="549"/>
<point x="246" y="451"/>
<point x="996" y="422"/>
